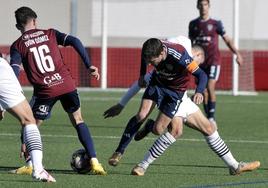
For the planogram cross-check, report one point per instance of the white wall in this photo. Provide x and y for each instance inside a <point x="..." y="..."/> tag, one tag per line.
<point x="132" y="21"/>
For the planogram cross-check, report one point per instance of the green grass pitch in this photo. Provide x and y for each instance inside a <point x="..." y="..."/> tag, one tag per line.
<point x="189" y="163"/>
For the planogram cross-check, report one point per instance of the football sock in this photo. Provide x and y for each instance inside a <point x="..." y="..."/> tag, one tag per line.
<point x="32" y="139"/>
<point x="26" y="155"/>
<point x="28" y="160"/>
<point x="211" y="109"/>
<point x="130" y="130"/>
<point x="205" y="106"/>
<point x="86" y="139"/>
<point x="221" y="149"/>
<point x="157" y="149"/>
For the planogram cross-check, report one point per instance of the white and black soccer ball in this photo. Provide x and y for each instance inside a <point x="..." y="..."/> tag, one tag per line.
<point x="80" y="162"/>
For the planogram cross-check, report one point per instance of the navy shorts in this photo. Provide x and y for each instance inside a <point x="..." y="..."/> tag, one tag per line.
<point x="167" y="100"/>
<point x="42" y="107"/>
<point x="213" y="72"/>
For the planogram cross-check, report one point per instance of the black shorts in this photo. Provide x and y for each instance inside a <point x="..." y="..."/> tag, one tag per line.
<point x="42" y="107"/>
<point x="167" y="100"/>
<point x="213" y="72"/>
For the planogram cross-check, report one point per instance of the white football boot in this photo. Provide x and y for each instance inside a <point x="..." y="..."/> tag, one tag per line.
<point x="43" y="176"/>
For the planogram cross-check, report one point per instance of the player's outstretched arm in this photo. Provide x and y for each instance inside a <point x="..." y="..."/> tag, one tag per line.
<point x="117" y="108"/>
<point x="113" y="111"/>
<point x="131" y="92"/>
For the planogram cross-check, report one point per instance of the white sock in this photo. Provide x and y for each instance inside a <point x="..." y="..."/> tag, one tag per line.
<point x="33" y="143"/>
<point x="29" y="162"/>
<point x="221" y="149"/>
<point x="94" y="160"/>
<point x="157" y="149"/>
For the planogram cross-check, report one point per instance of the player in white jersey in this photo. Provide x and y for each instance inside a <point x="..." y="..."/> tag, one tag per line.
<point x="188" y="112"/>
<point x="13" y="101"/>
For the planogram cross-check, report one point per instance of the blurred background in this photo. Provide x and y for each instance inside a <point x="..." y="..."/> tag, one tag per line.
<point x="114" y="30"/>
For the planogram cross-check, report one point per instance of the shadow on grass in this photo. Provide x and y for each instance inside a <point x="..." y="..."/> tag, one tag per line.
<point x="182" y="166"/>
<point x="7" y="169"/>
<point x="116" y="170"/>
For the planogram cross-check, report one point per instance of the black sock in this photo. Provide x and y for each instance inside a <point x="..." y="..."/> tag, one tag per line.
<point x="86" y="139"/>
<point x="130" y="130"/>
<point x="211" y="109"/>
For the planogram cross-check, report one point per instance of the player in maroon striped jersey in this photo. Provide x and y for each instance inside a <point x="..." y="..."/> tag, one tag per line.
<point x="205" y="32"/>
<point x="37" y="50"/>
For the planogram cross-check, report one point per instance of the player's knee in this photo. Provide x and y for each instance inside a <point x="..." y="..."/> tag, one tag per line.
<point x="141" y="117"/>
<point x="176" y="133"/>
<point x="27" y="120"/>
<point x="157" y="130"/>
<point x="78" y="120"/>
<point x="210" y="129"/>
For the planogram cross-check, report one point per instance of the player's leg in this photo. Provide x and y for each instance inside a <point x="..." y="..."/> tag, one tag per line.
<point x="165" y="140"/>
<point x="213" y="76"/>
<point x="133" y="125"/>
<point x="211" y="99"/>
<point x="32" y="139"/>
<point x="131" y="129"/>
<point x="71" y="105"/>
<point x="160" y="146"/>
<point x="86" y="140"/>
<point x="27" y="169"/>
<point x="41" y="111"/>
<point x="199" y="122"/>
<point x="168" y="104"/>
<point x="205" y="102"/>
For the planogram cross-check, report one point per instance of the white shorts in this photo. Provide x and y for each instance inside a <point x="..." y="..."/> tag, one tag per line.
<point x="186" y="107"/>
<point x="11" y="92"/>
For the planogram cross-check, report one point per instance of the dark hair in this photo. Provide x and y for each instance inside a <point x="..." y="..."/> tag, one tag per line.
<point x="1" y="54"/>
<point x="23" y="15"/>
<point x="151" y="48"/>
<point x="199" y="1"/>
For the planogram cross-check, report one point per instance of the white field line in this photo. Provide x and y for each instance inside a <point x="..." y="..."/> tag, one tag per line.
<point x="139" y="99"/>
<point x="117" y="138"/>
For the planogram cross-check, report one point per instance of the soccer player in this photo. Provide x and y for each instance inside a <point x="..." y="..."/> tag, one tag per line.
<point x="37" y="50"/>
<point x="192" y="116"/>
<point x="167" y="86"/>
<point x="13" y="101"/>
<point x="205" y="32"/>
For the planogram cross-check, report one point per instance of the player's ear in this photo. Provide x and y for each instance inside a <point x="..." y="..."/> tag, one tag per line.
<point x="34" y="22"/>
<point x="19" y="27"/>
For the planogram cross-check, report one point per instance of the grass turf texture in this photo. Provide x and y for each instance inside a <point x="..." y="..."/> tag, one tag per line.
<point x="242" y="123"/>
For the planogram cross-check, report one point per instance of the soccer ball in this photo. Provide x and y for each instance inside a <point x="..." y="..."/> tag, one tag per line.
<point x="80" y="162"/>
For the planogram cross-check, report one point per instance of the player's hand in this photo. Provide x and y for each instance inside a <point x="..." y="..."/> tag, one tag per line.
<point x="198" y="98"/>
<point x="239" y="59"/>
<point x="94" y="72"/>
<point x="142" y="82"/>
<point x="113" y="111"/>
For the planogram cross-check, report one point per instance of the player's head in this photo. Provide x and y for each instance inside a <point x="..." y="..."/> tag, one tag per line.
<point x="198" y="54"/>
<point x="203" y="6"/>
<point x="153" y="51"/>
<point x="200" y="1"/>
<point x="23" y="16"/>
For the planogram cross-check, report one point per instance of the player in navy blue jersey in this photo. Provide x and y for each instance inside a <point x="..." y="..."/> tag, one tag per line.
<point x="205" y="32"/>
<point x="173" y="66"/>
<point x="168" y="84"/>
<point x="37" y="50"/>
<point x="190" y="114"/>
